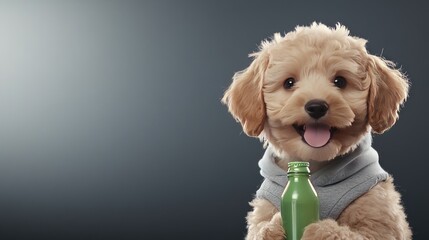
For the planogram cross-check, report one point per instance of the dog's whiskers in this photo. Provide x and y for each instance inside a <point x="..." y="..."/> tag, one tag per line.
<point x="283" y="140"/>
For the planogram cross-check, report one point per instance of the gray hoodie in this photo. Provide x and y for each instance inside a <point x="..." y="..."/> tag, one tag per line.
<point x="337" y="184"/>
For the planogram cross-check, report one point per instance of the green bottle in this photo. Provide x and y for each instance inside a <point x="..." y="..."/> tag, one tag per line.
<point x="300" y="204"/>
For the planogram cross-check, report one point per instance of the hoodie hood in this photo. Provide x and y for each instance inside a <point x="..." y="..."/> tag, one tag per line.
<point x="337" y="184"/>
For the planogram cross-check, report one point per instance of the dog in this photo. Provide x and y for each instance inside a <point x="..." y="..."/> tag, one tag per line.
<point x="316" y="94"/>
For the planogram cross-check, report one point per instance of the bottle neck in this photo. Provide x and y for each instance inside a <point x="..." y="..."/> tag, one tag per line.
<point x="295" y="177"/>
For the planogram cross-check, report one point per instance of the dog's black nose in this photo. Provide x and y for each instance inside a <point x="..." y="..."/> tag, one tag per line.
<point x="316" y="108"/>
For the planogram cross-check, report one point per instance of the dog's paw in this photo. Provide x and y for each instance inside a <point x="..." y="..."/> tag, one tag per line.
<point x="328" y="230"/>
<point x="272" y="230"/>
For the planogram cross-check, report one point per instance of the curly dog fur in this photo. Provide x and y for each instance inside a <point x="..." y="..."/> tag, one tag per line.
<point x="312" y="58"/>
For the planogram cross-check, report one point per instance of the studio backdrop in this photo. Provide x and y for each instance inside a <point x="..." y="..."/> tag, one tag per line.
<point x="111" y="125"/>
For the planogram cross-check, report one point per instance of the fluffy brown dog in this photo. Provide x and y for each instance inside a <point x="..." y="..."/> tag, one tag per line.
<point x="312" y="95"/>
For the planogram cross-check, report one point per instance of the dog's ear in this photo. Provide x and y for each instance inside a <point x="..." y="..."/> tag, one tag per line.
<point x="244" y="96"/>
<point x="388" y="91"/>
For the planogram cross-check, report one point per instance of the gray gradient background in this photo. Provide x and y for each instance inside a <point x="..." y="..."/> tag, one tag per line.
<point x="111" y="124"/>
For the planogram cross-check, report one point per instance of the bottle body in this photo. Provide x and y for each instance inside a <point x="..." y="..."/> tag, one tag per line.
<point x="300" y="204"/>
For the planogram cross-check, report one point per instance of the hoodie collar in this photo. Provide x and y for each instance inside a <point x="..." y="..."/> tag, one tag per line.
<point x="337" y="170"/>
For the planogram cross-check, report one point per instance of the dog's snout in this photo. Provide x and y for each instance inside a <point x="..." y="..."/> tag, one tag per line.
<point x="316" y="108"/>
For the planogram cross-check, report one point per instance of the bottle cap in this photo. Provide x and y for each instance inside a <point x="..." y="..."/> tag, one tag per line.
<point x="298" y="167"/>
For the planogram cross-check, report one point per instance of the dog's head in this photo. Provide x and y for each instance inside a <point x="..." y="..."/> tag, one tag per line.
<point x="315" y="92"/>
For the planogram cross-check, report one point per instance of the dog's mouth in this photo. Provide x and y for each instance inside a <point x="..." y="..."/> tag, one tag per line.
<point x="316" y="135"/>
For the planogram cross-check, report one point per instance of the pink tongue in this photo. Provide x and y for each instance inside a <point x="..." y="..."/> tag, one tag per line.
<point x="317" y="135"/>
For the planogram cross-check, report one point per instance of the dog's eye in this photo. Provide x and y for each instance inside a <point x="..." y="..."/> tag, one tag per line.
<point x="288" y="83"/>
<point x="340" y="82"/>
